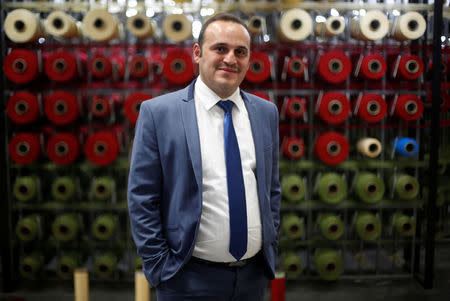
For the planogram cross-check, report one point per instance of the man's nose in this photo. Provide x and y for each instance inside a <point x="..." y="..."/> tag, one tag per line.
<point x="230" y="58"/>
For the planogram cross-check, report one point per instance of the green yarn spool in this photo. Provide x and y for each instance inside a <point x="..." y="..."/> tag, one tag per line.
<point x="65" y="227"/>
<point x="29" y="227"/>
<point x="138" y="263"/>
<point x="440" y="198"/>
<point x="442" y="168"/>
<point x="368" y="226"/>
<point x="63" y="189"/>
<point x="329" y="264"/>
<point x="331" y="226"/>
<point x="66" y="266"/>
<point x="25" y="189"/>
<point x="105" y="265"/>
<point x="30" y="266"/>
<point x="292" y="226"/>
<point x="104" y="227"/>
<point x="293" y="188"/>
<point x="291" y="264"/>
<point x="331" y="188"/>
<point x="369" y="188"/>
<point x="403" y="224"/>
<point x="102" y="188"/>
<point x="405" y="187"/>
<point x="284" y="166"/>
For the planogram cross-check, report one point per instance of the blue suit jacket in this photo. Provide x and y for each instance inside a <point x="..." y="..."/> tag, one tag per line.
<point x="165" y="180"/>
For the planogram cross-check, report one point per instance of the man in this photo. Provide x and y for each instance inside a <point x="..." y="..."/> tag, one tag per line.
<point x="203" y="189"/>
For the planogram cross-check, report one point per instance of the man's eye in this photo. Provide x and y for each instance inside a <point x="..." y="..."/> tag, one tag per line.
<point x="241" y="52"/>
<point x="221" y="49"/>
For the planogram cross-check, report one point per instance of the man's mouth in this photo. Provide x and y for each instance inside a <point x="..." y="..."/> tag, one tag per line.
<point x="232" y="70"/>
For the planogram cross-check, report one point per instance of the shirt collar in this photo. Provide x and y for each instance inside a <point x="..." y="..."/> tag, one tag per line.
<point x="208" y="98"/>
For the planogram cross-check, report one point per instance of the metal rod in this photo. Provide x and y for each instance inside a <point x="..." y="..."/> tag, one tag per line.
<point x="430" y="208"/>
<point x="7" y="249"/>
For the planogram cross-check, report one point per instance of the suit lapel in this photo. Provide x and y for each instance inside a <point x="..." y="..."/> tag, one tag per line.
<point x="189" y="118"/>
<point x="258" y="142"/>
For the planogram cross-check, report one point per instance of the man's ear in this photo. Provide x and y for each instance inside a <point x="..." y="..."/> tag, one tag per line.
<point x="197" y="52"/>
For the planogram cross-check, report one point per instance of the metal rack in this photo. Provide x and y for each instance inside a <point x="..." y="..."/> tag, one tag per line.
<point x="412" y="250"/>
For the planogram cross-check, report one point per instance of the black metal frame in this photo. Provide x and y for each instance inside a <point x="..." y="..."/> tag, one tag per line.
<point x="9" y="279"/>
<point x="8" y="282"/>
<point x="427" y="278"/>
<point x="430" y="209"/>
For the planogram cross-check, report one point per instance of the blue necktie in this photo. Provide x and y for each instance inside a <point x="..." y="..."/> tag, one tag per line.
<point x="235" y="184"/>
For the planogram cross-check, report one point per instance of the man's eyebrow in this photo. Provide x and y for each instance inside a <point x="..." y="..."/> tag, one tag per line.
<point x="227" y="45"/>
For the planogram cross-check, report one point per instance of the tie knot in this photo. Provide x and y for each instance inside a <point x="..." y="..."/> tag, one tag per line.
<point x="226" y="105"/>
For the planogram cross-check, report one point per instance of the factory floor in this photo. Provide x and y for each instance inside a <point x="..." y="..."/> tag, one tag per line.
<point x="385" y="290"/>
<point x="342" y="290"/>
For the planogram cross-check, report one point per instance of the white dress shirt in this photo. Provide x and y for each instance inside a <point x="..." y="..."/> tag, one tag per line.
<point x="213" y="237"/>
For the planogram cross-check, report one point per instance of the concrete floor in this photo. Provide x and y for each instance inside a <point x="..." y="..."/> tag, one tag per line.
<point x="397" y="290"/>
<point x="342" y="290"/>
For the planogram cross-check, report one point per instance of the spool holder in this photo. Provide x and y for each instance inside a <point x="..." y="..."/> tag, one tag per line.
<point x="284" y="70"/>
<point x="284" y="109"/>
<point x="358" y="65"/>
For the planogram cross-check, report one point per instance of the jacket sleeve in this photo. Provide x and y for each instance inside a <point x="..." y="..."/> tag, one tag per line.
<point x="275" y="189"/>
<point x="144" y="197"/>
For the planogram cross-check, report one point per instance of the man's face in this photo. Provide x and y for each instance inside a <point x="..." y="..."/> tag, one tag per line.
<point x="224" y="57"/>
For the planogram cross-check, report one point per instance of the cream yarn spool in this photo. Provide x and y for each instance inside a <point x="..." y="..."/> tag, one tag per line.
<point x="373" y="26"/>
<point x="334" y="25"/>
<point x="141" y="26"/>
<point x="369" y="147"/>
<point x="256" y="25"/>
<point x="99" y="25"/>
<point x="409" y="26"/>
<point x="177" y="27"/>
<point x="295" y="25"/>
<point x="22" y="26"/>
<point x="62" y="25"/>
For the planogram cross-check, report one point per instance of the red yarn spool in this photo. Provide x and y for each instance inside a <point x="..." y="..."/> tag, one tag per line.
<point x="101" y="148"/>
<point x="21" y="66"/>
<point x="332" y="148"/>
<point x="61" y="66"/>
<point x="259" y="69"/>
<point x="23" y="107"/>
<point x="156" y="66"/>
<point x="132" y="104"/>
<point x="410" y="67"/>
<point x="177" y="66"/>
<point x="295" y="107"/>
<point x="278" y="289"/>
<point x="117" y="66"/>
<point x="373" y="66"/>
<point x="100" y="66"/>
<point x="371" y="107"/>
<point x="262" y="95"/>
<point x="100" y="106"/>
<point x="294" y="148"/>
<point x="24" y="148"/>
<point x="296" y="67"/>
<point x="61" y="107"/>
<point x="408" y="107"/>
<point x="63" y="148"/>
<point x="334" y="107"/>
<point x="138" y="66"/>
<point x="334" y="66"/>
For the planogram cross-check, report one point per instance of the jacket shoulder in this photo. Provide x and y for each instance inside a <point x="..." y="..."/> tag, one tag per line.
<point x="261" y="102"/>
<point x="165" y="100"/>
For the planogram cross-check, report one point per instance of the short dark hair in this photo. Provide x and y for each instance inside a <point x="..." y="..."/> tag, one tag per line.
<point x="220" y="17"/>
